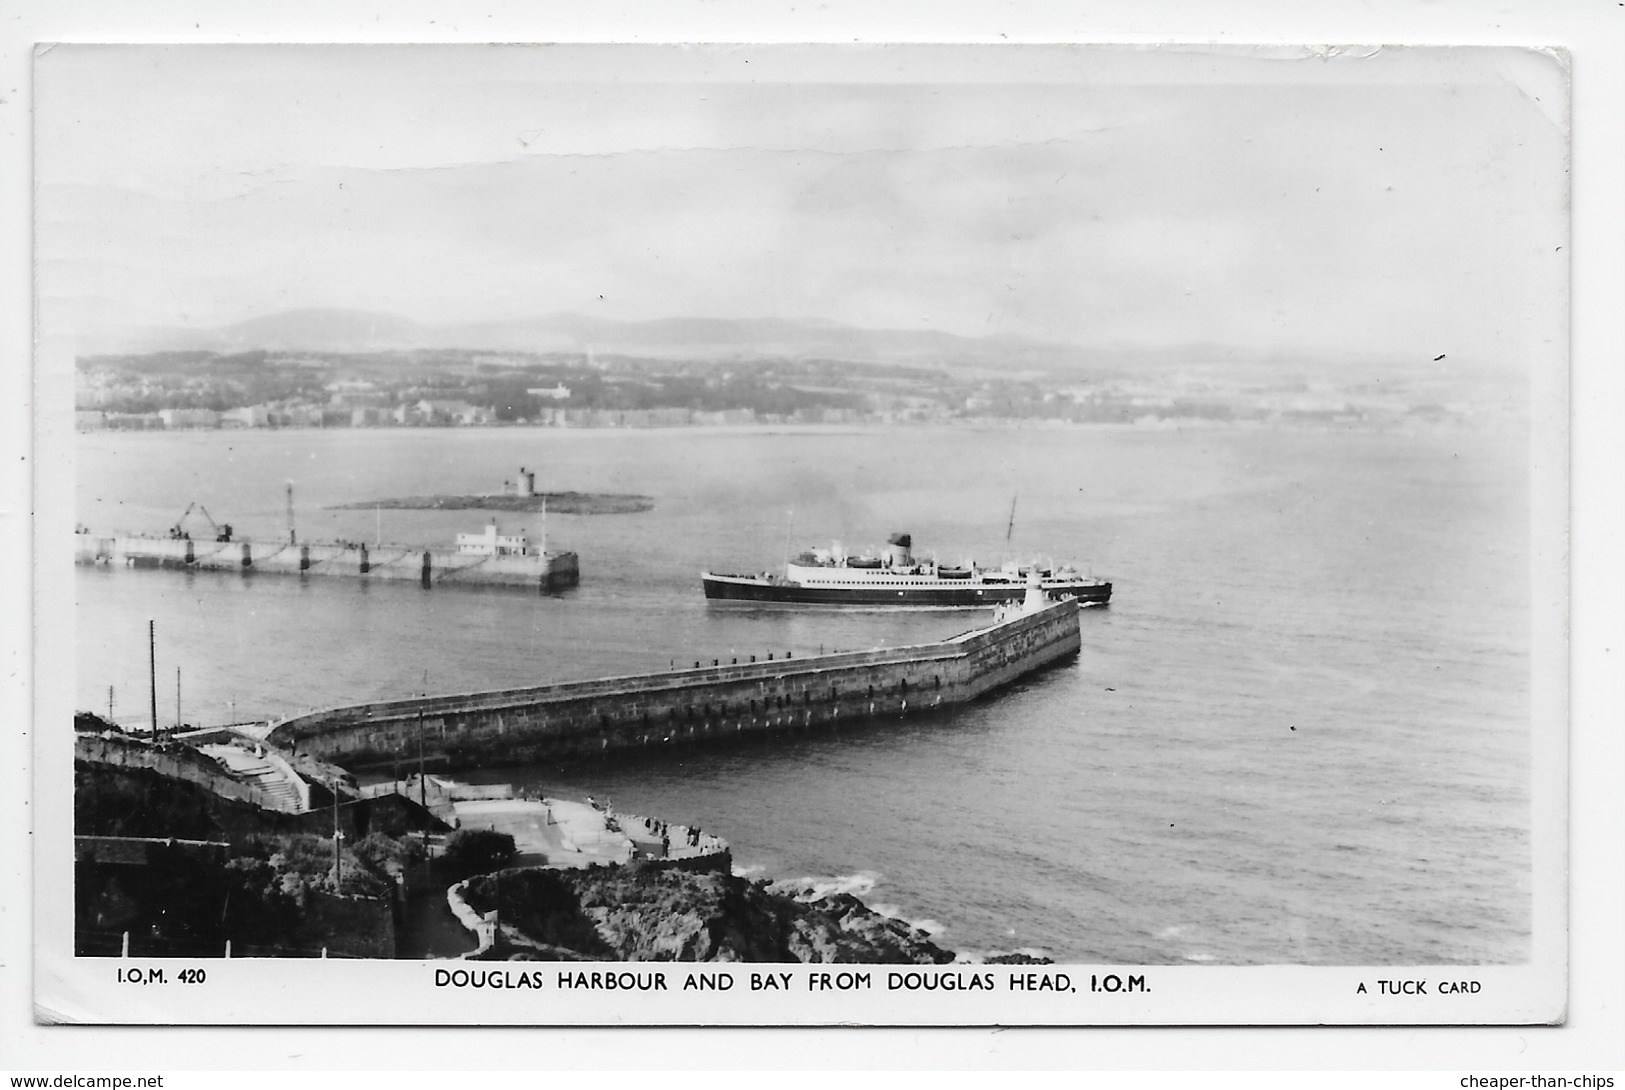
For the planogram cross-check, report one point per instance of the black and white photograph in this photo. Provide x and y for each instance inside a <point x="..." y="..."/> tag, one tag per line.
<point x="792" y="534"/>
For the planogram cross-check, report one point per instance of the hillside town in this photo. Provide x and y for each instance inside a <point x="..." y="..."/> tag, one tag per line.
<point x="177" y="390"/>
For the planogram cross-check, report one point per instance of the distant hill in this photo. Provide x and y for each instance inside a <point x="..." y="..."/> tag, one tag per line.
<point x="722" y="337"/>
<point x="326" y="329"/>
<point x="337" y="330"/>
<point x="311" y="330"/>
<point x="747" y="339"/>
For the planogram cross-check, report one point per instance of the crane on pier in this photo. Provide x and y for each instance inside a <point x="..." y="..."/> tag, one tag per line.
<point x="222" y="532"/>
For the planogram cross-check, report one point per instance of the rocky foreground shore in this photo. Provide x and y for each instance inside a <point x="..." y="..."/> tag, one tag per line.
<point x="633" y="913"/>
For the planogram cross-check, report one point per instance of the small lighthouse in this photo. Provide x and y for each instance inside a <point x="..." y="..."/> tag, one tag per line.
<point x="1035" y="599"/>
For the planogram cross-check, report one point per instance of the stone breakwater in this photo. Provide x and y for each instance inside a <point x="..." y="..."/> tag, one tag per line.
<point x="589" y="718"/>
<point x="428" y="567"/>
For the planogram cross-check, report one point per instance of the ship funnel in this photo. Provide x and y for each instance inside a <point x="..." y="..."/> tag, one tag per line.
<point x="898" y="554"/>
<point x="1035" y="599"/>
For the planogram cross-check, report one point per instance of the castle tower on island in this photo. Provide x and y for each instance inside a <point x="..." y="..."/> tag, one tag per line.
<point x="525" y="486"/>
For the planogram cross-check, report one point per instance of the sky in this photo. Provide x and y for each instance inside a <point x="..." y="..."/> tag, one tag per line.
<point x="1399" y="201"/>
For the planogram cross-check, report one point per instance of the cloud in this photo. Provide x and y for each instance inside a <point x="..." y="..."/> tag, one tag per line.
<point x="178" y="186"/>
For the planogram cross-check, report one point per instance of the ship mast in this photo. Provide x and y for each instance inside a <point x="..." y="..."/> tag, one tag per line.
<point x="1009" y="528"/>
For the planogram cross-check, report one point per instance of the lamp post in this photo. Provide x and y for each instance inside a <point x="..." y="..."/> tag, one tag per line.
<point x="423" y="796"/>
<point x="338" y="837"/>
<point x="152" y="674"/>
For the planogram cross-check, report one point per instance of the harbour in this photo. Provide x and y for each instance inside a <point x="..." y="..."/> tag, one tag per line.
<point x="245" y="786"/>
<point x="1110" y="807"/>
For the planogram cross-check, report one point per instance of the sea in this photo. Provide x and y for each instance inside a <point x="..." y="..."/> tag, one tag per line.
<point x="1299" y="734"/>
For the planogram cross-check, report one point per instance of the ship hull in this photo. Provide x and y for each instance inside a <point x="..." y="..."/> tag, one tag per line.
<point x="964" y="594"/>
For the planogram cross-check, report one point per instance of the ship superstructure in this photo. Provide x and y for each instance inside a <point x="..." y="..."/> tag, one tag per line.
<point x="894" y="577"/>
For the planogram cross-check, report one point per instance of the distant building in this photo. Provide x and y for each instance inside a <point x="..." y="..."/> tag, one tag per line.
<point x="669" y="418"/>
<point x="249" y="416"/>
<point x="136" y="421"/>
<point x="524" y="486"/>
<point x="561" y="392"/>
<point x="357" y="399"/>
<point x="725" y="417"/>
<point x="492" y="543"/>
<point x="93" y="393"/>
<point x="189" y="418"/>
<point x="434" y="411"/>
<point x="297" y="416"/>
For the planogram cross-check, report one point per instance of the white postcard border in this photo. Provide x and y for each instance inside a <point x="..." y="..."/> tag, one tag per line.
<point x="336" y="992"/>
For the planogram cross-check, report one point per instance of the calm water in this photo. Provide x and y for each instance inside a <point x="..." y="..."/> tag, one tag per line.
<point x="1299" y="734"/>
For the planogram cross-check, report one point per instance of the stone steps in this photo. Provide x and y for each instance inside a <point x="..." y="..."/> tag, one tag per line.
<point x="273" y="784"/>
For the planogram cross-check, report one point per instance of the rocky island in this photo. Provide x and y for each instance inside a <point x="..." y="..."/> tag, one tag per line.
<point x="518" y="495"/>
<point x="557" y="503"/>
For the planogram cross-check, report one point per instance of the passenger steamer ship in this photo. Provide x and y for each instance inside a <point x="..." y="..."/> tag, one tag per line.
<point x="895" y="578"/>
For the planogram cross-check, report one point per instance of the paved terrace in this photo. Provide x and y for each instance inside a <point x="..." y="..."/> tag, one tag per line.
<point x="554" y="832"/>
<point x="567" y="834"/>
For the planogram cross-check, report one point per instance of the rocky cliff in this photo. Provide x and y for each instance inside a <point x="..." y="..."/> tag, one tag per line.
<point x="647" y="914"/>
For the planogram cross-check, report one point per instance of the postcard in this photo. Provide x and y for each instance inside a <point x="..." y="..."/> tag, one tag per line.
<point x="801" y="534"/>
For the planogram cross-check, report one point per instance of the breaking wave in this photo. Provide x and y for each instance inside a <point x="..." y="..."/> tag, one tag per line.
<point x="858" y="885"/>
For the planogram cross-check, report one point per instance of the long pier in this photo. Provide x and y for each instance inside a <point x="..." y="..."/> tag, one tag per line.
<point x="427" y="567"/>
<point x="588" y="718"/>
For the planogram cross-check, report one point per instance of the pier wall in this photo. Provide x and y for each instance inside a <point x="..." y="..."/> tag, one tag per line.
<point x="171" y="762"/>
<point x="231" y="808"/>
<point x="428" y="567"/>
<point x="586" y="718"/>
